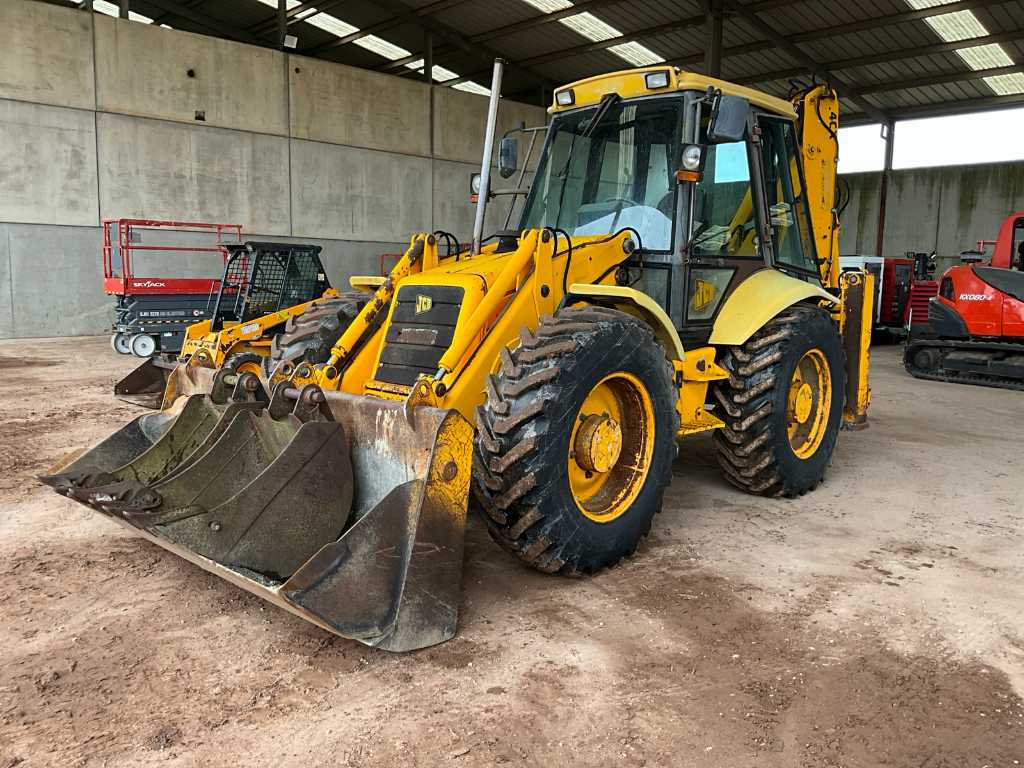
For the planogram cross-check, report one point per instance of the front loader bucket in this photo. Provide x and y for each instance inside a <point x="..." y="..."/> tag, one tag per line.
<point x="158" y="382"/>
<point x="145" y="385"/>
<point x="332" y="506"/>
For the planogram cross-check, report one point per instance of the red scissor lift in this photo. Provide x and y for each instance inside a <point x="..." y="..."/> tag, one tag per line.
<point x="153" y="311"/>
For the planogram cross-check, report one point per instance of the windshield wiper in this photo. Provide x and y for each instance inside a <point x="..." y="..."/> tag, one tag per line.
<point x="607" y="102"/>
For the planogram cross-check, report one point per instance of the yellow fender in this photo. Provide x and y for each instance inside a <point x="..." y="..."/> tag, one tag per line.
<point x="757" y="300"/>
<point x="636" y="303"/>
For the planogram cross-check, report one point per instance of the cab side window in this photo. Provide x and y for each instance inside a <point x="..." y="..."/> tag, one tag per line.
<point x="723" y="217"/>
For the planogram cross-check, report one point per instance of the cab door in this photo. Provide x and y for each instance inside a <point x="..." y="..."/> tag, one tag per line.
<point x="749" y="211"/>
<point x="724" y="246"/>
<point x="786" y="207"/>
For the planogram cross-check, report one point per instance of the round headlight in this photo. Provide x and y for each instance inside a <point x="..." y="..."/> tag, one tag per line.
<point x="691" y="158"/>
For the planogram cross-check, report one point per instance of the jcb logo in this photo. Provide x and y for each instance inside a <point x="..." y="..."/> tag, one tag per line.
<point x="423" y="304"/>
<point x="703" y="295"/>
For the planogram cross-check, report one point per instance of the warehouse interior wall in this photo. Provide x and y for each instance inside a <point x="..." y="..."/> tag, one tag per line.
<point x="942" y="209"/>
<point x="105" y="118"/>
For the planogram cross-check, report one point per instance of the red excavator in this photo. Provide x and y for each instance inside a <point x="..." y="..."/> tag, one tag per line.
<point x="975" y="331"/>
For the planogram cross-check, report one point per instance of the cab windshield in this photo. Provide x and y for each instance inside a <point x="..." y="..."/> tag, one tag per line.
<point x="620" y="172"/>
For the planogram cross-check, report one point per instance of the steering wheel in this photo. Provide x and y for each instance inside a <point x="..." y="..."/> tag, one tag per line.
<point x="624" y="200"/>
<point x="619" y="209"/>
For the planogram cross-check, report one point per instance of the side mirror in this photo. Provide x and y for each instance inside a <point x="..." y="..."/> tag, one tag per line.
<point x="728" y="119"/>
<point x="508" y="156"/>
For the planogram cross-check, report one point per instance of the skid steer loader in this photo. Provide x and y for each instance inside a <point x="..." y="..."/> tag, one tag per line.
<point x="675" y="272"/>
<point x="273" y="297"/>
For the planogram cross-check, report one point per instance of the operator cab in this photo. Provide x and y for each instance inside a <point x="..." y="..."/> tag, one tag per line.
<point x="668" y="156"/>
<point x="261" y="278"/>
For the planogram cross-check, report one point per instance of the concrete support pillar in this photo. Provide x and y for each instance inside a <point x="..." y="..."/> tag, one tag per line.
<point x="888" y="133"/>
<point x="714" y="20"/>
<point x="282" y="22"/>
<point x="122" y="8"/>
<point x="428" y="57"/>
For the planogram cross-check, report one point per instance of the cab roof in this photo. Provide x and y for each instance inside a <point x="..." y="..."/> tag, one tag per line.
<point x="631" y="83"/>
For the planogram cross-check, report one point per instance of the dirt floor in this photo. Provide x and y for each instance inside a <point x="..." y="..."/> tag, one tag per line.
<point x="877" y="621"/>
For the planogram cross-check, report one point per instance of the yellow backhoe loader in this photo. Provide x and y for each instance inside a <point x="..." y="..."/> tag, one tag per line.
<point x="274" y="299"/>
<point x="675" y="272"/>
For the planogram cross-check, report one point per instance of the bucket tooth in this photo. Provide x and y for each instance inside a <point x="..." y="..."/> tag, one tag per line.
<point x="118" y="497"/>
<point x="147" y="448"/>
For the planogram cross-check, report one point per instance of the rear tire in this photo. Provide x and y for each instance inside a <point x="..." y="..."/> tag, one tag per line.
<point x="142" y="345"/>
<point x="552" y="411"/>
<point x="309" y="337"/>
<point x="793" y="367"/>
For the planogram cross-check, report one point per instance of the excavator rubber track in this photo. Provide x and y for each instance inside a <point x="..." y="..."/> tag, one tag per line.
<point x="980" y="363"/>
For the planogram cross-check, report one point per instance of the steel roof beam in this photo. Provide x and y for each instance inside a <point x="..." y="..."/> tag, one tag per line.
<point x="578" y="8"/>
<point x="600" y="45"/>
<point x="960" y="76"/>
<point x="693" y="22"/>
<point x="519" y="26"/>
<point x="322" y="6"/>
<point x="384" y="26"/>
<point x="964" y="106"/>
<point x="888" y="56"/>
<point x="819" y="69"/>
<point x="218" y="27"/>
<point x="858" y="26"/>
<point x="444" y="32"/>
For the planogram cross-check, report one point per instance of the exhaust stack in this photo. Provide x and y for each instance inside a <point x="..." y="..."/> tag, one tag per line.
<point x="485" y="163"/>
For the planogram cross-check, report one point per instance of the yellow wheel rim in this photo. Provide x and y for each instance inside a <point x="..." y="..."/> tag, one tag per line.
<point x="809" y="404"/>
<point x="249" y="366"/>
<point x="611" y="446"/>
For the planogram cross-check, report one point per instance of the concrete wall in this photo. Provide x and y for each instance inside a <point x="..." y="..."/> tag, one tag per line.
<point x="99" y="118"/>
<point x="103" y="118"/>
<point x="944" y="209"/>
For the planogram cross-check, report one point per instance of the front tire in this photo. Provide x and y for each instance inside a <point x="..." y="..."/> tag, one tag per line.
<point x="309" y="337"/>
<point x="575" y="442"/>
<point x="783" y="404"/>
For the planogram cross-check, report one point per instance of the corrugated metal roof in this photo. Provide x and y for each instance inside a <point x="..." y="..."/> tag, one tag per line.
<point x="891" y="59"/>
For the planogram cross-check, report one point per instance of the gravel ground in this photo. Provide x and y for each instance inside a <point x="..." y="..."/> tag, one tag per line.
<point x="876" y="621"/>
